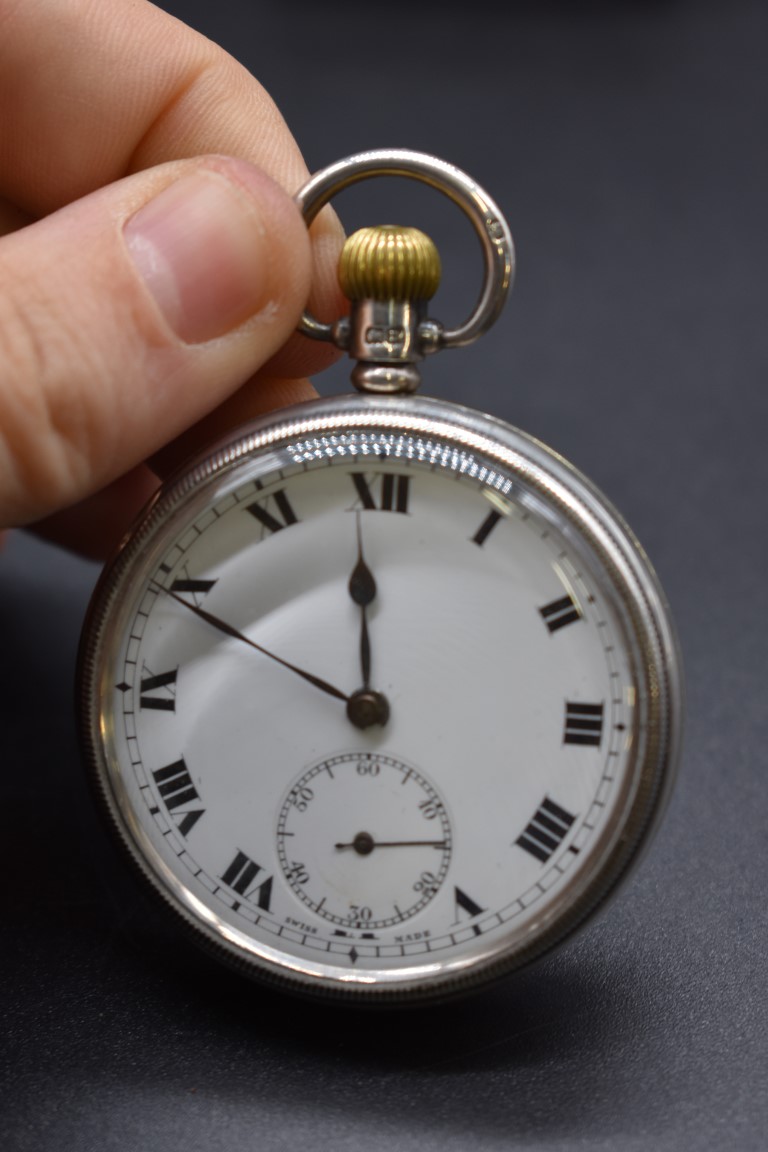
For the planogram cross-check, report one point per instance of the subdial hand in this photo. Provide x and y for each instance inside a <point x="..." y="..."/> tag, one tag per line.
<point x="362" y="589"/>
<point x="228" y="630"/>
<point x="364" y="844"/>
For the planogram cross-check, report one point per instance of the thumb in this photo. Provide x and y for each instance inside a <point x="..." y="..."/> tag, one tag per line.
<point x="128" y="315"/>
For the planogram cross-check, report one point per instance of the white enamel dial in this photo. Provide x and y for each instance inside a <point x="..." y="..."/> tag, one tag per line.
<point x="371" y="707"/>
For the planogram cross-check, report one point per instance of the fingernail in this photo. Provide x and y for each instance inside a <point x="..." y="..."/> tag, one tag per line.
<point x="201" y="248"/>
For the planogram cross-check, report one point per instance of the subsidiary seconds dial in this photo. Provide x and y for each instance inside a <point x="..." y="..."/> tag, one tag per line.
<point x="364" y="840"/>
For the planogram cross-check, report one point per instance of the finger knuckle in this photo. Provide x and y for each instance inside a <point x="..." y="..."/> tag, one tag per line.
<point x="46" y="431"/>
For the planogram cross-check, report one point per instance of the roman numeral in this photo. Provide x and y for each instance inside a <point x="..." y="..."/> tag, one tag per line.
<point x="560" y="612"/>
<point x="486" y="528"/>
<point x="546" y="831"/>
<point x="466" y="904"/>
<point x="175" y="786"/>
<point x="240" y="876"/>
<point x="392" y="491"/>
<point x="163" y="703"/>
<point x="583" y="724"/>
<point x="197" y="588"/>
<point x="273" y="522"/>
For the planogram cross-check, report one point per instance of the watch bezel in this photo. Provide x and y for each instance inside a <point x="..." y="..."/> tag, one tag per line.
<point x="580" y="513"/>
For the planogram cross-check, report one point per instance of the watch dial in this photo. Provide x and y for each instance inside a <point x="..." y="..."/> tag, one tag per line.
<point x="371" y="711"/>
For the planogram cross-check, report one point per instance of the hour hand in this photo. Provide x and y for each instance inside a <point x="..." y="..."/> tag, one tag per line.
<point x="362" y="589"/>
<point x="366" y="707"/>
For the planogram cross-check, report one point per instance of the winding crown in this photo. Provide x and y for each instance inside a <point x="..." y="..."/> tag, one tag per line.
<point x="389" y="263"/>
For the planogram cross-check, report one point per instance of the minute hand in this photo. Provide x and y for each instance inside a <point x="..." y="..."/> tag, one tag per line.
<point x="228" y="630"/>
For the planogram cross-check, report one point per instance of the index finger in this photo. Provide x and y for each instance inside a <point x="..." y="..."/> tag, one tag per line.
<point x="91" y="92"/>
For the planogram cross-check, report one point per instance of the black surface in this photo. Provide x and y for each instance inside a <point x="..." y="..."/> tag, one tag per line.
<point x="627" y="144"/>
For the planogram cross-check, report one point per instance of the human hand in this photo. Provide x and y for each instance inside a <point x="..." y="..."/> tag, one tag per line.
<point x="147" y="268"/>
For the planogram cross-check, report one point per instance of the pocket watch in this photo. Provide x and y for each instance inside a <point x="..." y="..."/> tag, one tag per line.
<point x="381" y="696"/>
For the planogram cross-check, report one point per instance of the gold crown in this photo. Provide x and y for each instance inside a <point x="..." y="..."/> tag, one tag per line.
<point x="389" y="263"/>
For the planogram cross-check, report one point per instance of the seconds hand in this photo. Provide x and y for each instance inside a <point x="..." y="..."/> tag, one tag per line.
<point x="364" y="844"/>
<point x="228" y="630"/>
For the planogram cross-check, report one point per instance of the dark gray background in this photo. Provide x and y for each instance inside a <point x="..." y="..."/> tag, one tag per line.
<point x="627" y="144"/>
